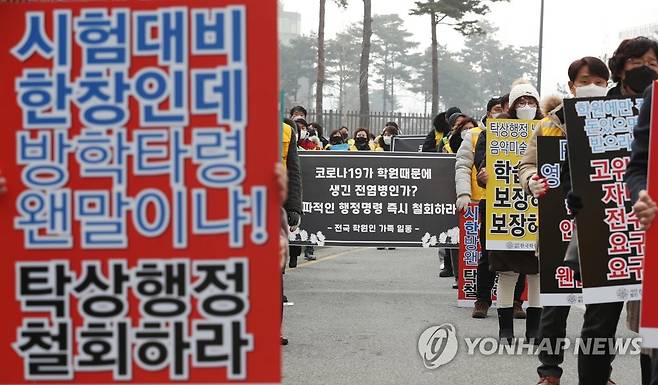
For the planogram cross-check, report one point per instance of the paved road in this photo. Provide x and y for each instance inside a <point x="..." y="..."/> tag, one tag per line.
<point x="358" y="313"/>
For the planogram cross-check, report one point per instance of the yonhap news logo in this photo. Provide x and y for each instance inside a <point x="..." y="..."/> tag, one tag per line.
<point x="438" y="345"/>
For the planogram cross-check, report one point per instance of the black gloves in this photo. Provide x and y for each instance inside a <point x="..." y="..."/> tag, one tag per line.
<point x="574" y="203"/>
<point x="294" y="219"/>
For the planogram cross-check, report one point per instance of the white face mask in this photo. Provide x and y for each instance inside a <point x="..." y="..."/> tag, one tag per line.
<point x="303" y="134"/>
<point x="495" y="116"/>
<point x="526" y="113"/>
<point x="591" y="91"/>
<point x="387" y="140"/>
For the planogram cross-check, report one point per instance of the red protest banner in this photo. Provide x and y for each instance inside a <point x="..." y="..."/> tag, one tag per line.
<point x="140" y="240"/>
<point x="470" y="251"/>
<point x="469" y="254"/>
<point x="649" y="315"/>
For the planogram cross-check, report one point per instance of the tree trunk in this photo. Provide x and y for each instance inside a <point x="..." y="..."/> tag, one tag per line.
<point x="364" y="109"/>
<point x="319" y="83"/>
<point x="435" y="68"/>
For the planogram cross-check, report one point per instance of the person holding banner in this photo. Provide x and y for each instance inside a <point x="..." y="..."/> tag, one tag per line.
<point x="524" y="100"/>
<point x="361" y="141"/>
<point x="588" y="77"/>
<point x="486" y="276"/>
<point x="336" y="142"/>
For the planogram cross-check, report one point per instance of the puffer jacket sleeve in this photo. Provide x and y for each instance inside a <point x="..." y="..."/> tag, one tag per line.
<point x="464" y="165"/>
<point x="528" y="165"/>
<point x="636" y="172"/>
<point x="481" y="150"/>
<point x="294" y="201"/>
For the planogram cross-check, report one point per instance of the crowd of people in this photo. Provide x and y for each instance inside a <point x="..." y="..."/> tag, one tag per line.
<point x="633" y="67"/>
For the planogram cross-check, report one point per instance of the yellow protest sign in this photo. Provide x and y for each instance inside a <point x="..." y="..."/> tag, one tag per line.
<point x="511" y="216"/>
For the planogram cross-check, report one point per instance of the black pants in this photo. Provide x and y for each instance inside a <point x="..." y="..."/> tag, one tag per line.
<point x="485" y="277"/>
<point x="654" y="368"/>
<point x="553" y="326"/>
<point x="600" y="322"/>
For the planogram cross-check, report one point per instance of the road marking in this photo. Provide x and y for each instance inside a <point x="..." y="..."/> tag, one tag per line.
<point x="328" y="257"/>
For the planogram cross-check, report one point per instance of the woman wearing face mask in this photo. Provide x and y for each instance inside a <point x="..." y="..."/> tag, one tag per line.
<point x="336" y="142"/>
<point x="361" y="141"/>
<point x="509" y="265"/>
<point x="305" y="141"/>
<point x="452" y="143"/>
<point x="634" y="65"/>
<point x="588" y="77"/>
<point x="384" y="141"/>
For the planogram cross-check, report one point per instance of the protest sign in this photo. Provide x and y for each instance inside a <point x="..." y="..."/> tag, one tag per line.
<point x="649" y="315"/>
<point x="558" y="284"/>
<point x="511" y="212"/>
<point x="382" y="199"/>
<point x="141" y="234"/>
<point x="600" y="132"/>
<point x="408" y="143"/>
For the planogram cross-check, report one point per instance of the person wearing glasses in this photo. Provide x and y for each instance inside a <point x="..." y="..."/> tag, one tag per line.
<point x="634" y="65"/>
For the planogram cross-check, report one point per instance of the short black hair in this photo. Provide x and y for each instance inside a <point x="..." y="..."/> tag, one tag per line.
<point x="393" y="124"/>
<point x="492" y="102"/>
<point x="298" y="109"/>
<point x="595" y="66"/>
<point x="629" y="48"/>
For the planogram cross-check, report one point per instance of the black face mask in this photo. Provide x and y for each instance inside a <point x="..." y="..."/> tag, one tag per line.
<point x="638" y="79"/>
<point x="361" y="142"/>
<point x="336" y="140"/>
<point x="344" y="135"/>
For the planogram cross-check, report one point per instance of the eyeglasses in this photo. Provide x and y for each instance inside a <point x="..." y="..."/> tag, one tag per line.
<point x="638" y="62"/>
<point x="524" y="103"/>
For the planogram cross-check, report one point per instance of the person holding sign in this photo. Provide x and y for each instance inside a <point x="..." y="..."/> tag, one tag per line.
<point x="588" y="77"/>
<point x="336" y="142"/>
<point x="508" y="263"/>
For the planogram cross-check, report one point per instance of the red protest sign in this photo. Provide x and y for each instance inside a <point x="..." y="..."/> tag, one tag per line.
<point x="469" y="254"/>
<point x="649" y="315"/>
<point x="140" y="223"/>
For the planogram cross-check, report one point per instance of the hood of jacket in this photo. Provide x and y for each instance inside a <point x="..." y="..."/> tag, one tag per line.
<point x="550" y="106"/>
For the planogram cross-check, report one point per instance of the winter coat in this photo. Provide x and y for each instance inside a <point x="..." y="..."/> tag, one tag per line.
<point x="310" y="144"/>
<point x="290" y="160"/>
<point x="549" y="126"/>
<point x="380" y="145"/>
<point x="353" y="147"/>
<point x="465" y="170"/>
<point x="636" y="181"/>
<point x="439" y="131"/>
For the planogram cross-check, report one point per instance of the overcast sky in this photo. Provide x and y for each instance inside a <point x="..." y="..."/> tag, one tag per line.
<point x="572" y="28"/>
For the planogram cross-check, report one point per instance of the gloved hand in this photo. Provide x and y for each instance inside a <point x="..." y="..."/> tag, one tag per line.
<point x="574" y="203"/>
<point x="294" y="220"/>
<point x="538" y="186"/>
<point x="462" y="202"/>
